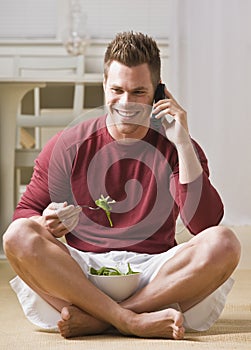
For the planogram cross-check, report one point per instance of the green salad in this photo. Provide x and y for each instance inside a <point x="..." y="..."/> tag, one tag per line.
<point x="104" y="203"/>
<point x="111" y="271"/>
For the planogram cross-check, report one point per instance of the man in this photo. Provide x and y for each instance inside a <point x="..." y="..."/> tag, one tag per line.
<point x="153" y="177"/>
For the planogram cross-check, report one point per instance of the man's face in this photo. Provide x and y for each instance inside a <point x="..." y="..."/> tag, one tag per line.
<point x="129" y="95"/>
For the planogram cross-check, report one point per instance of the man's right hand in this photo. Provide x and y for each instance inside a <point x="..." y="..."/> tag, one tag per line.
<point x="60" y="218"/>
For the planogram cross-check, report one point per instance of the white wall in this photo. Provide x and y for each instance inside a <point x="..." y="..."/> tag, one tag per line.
<point x="210" y="73"/>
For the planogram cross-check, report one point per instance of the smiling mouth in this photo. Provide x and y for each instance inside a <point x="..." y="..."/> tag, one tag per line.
<point x="126" y="114"/>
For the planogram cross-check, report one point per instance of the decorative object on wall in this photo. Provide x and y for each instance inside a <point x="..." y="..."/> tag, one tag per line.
<point x="76" y="38"/>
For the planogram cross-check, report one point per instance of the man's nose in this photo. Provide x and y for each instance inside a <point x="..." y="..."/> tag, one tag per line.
<point x="126" y="97"/>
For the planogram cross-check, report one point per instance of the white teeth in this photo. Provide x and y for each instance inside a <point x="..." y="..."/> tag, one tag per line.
<point x="126" y="114"/>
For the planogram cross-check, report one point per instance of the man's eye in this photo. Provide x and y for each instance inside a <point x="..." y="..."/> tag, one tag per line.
<point x="139" y="92"/>
<point x="117" y="91"/>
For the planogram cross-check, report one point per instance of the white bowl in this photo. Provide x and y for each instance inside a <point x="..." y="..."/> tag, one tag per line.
<point x="118" y="287"/>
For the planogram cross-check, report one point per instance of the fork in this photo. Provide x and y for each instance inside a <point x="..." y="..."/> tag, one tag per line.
<point x="87" y="206"/>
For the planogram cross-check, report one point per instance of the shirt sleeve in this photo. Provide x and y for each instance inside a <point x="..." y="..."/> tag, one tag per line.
<point x="199" y="203"/>
<point x="38" y="195"/>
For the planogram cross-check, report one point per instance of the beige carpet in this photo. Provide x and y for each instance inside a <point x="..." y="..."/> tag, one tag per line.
<point x="232" y="331"/>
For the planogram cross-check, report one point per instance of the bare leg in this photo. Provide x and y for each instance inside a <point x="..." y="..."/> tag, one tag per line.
<point x="59" y="277"/>
<point x="74" y="322"/>
<point x="197" y="269"/>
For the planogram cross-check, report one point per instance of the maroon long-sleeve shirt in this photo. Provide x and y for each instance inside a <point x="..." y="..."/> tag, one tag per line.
<point x="83" y="162"/>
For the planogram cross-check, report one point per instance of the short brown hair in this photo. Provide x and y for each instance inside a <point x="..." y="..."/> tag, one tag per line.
<point x="133" y="49"/>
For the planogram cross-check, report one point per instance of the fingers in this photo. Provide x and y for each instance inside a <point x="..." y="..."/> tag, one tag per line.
<point x="169" y="107"/>
<point x="168" y="93"/>
<point x="169" y="96"/>
<point x="163" y="107"/>
<point x="70" y="220"/>
<point x="64" y="213"/>
<point x="52" y="207"/>
<point x="56" y="227"/>
<point x="61" y="218"/>
<point x="173" y="118"/>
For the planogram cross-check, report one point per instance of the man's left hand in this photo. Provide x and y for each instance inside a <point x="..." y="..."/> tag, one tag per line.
<point x="177" y="129"/>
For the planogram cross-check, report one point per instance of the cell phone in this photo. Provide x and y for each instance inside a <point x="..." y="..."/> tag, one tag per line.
<point x="160" y="95"/>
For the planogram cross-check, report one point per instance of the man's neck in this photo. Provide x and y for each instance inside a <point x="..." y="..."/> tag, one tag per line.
<point x="139" y="134"/>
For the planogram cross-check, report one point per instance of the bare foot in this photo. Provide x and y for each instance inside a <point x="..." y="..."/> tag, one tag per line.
<point x="74" y="322"/>
<point x="159" y="324"/>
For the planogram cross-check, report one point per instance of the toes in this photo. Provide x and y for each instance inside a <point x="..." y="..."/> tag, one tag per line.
<point x="62" y="328"/>
<point x="176" y="316"/>
<point x="179" y="334"/>
<point x="65" y="314"/>
<point x="60" y="324"/>
<point x="63" y="325"/>
<point x="179" y="320"/>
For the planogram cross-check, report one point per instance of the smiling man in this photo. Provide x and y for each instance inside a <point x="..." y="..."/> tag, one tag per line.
<point x="153" y="177"/>
<point x="129" y="91"/>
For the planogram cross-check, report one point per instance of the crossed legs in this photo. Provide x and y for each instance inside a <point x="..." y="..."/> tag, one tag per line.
<point x="45" y="264"/>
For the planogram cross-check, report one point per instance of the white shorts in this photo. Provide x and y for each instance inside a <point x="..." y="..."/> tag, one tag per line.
<point x="200" y="317"/>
